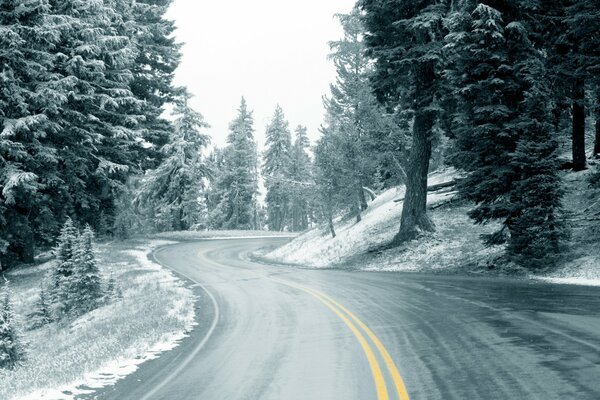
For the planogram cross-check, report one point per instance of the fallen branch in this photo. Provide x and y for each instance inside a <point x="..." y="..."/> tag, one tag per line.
<point x="371" y="193"/>
<point x="435" y="188"/>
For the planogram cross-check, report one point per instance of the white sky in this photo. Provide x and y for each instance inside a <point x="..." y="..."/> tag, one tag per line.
<point x="269" y="51"/>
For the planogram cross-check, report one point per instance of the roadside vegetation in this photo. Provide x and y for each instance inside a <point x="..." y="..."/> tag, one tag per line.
<point x="144" y="310"/>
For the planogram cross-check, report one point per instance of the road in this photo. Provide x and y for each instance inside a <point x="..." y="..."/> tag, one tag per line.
<point x="273" y="332"/>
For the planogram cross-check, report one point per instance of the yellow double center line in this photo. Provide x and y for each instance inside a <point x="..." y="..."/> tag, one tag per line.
<point x="352" y="322"/>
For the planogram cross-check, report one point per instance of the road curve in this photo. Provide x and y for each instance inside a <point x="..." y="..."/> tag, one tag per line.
<point x="285" y="333"/>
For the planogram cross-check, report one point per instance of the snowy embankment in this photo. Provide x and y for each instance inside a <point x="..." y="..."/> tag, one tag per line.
<point x="582" y="262"/>
<point x="359" y="245"/>
<point x="63" y="361"/>
<point x="583" y="271"/>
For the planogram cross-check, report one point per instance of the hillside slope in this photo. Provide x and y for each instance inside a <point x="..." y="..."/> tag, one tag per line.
<point x="455" y="246"/>
<point x="361" y="245"/>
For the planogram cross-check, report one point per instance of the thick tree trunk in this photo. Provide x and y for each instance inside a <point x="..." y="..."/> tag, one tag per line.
<point x="414" y="211"/>
<point x="579" y="162"/>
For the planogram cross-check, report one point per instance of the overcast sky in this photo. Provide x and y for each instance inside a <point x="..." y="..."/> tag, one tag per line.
<point x="269" y="51"/>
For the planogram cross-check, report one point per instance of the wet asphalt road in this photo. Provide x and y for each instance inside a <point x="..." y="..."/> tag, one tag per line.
<point x="265" y="334"/>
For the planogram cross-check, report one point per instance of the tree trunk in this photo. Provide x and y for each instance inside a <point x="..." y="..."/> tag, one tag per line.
<point x="330" y="221"/>
<point x="579" y="162"/>
<point x="414" y="211"/>
<point x="597" y="139"/>
<point x="361" y="198"/>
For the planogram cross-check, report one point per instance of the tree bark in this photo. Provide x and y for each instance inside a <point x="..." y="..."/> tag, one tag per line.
<point x="414" y="211"/>
<point x="361" y="198"/>
<point x="579" y="162"/>
<point x="597" y="138"/>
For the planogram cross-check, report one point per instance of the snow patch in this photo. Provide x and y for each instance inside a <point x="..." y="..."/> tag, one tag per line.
<point x="583" y="271"/>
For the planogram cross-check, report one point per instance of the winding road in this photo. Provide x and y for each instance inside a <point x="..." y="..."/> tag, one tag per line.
<point x="285" y="333"/>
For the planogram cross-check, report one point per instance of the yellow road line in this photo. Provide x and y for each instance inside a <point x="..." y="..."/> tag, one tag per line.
<point x="380" y="386"/>
<point x="398" y="382"/>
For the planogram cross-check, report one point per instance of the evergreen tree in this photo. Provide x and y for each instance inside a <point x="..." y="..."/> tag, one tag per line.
<point x="405" y="39"/>
<point x="235" y="188"/>
<point x="61" y="276"/>
<point x="328" y="185"/>
<point x="504" y="137"/>
<point x="12" y="351"/>
<point x="301" y="180"/>
<point x="85" y="285"/>
<point x="26" y="90"/>
<point x="353" y="114"/>
<point x="582" y="20"/>
<point x="276" y="169"/>
<point x="157" y="58"/>
<point x="41" y="315"/>
<point x="66" y="251"/>
<point x="171" y="191"/>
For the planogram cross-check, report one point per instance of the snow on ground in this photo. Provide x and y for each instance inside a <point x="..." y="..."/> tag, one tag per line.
<point x="358" y="243"/>
<point x="219" y="235"/>
<point x="582" y="263"/>
<point x="103" y="346"/>
<point x="583" y="271"/>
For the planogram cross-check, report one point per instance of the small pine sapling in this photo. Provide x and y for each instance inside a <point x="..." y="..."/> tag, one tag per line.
<point x="12" y="351"/>
<point x="86" y="284"/>
<point x="61" y="275"/>
<point x="42" y="313"/>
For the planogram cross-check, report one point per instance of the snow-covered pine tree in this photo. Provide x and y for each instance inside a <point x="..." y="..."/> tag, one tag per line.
<point x="41" y="315"/>
<point x="157" y="57"/>
<point x="97" y="124"/>
<point x="26" y="89"/>
<point x="582" y="20"/>
<point x="483" y="144"/>
<point x="362" y="125"/>
<point x="405" y="38"/>
<point x="235" y="187"/>
<point x="276" y="167"/>
<point x="85" y="284"/>
<point x="504" y="137"/>
<point x="168" y="189"/>
<point x="327" y="177"/>
<point x="537" y="227"/>
<point x="301" y="180"/>
<point x="12" y="351"/>
<point x="60" y="277"/>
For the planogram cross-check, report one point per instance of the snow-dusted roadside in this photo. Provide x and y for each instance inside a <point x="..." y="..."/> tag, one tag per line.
<point x="583" y="271"/>
<point x="100" y="348"/>
<point x="357" y="245"/>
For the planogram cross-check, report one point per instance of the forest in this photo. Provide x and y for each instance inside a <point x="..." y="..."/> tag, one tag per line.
<point x="94" y="130"/>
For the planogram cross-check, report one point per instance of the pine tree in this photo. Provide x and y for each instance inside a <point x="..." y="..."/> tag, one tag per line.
<point x="582" y="19"/>
<point x="327" y="176"/>
<point x="157" y="58"/>
<point x="405" y="38"/>
<point x="86" y="284"/>
<point x="171" y="190"/>
<point x="41" y="315"/>
<point x="66" y="251"/>
<point x="504" y="137"/>
<point x="301" y="180"/>
<point x="12" y="351"/>
<point x="276" y="168"/>
<point x="26" y="89"/>
<point x="235" y="187"/>
<point x="61" y="276"/>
